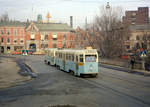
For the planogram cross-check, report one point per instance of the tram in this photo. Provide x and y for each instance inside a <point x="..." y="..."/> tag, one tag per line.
<point x="50" y="56"/>
<point x="78" y="62"/>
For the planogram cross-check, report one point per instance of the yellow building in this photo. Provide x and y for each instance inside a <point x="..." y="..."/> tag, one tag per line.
<point x="139" y="38"/>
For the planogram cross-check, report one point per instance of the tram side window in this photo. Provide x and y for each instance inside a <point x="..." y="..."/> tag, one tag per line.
<point x="63" y="56"/>
<point x="76" y="58"/>
<point x="72" y="57"/>
<point x="67" y="56"/>
<point x="59" y="55"/>
<point x="81" y="58"/>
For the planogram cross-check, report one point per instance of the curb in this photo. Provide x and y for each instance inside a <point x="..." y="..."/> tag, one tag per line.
<point x="30" y="67"/>
<point x="144" y="72"/>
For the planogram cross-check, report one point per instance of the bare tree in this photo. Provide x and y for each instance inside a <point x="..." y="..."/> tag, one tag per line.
<point x="110" y="31"/>
<point x="4" y="17"/>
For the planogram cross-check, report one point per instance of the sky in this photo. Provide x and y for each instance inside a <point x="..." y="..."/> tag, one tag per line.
<point x="61" y="10"/>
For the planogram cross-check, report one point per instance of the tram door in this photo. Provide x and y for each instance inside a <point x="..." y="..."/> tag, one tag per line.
<point x="64" y="60"/>
<point x="77" y="63"/>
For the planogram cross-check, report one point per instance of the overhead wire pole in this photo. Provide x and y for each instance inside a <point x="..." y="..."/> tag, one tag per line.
<point x="85" y="40"/>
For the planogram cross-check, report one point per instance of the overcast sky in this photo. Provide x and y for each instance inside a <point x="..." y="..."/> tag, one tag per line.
<point x="61" y="10"/>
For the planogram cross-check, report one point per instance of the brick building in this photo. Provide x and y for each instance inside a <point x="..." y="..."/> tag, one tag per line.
<point x="48" y="35"/>
<point x="140" y="38"/>
<point x="12" y="36"/>
<point x="15" y="35"/>
<point x="139" y="17"/>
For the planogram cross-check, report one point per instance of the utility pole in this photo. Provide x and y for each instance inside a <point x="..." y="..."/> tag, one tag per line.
<point x="0" y="47"/>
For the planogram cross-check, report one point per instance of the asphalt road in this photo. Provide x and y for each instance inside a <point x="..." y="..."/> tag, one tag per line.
<point x="111" y="88"/>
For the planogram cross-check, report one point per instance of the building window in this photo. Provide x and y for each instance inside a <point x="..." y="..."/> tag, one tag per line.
<point x="84" y="37"/>
<point x="8" y="40"/>
<point x="64" y="37"/>
<point x="128" y="46"/>
<point x="44" y="45"/>
<point x="42" y="37"/>
<point x="137" y="37"/>
<point x="2" y="40"/>
<point x="15" y="32"/>
<point x="2" y="32"/>
<point x="54" y="45"/>
<point x="8" y="32"/>
<point x="15" y="40"/>
<point x="21" y="41"/>
<point x="32" y="36"/>
<point x="46" y="37"/>
<point x="54" y="38"/>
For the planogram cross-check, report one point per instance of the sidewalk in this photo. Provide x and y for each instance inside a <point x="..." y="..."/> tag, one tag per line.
<point x="9" y="73"/>
<point x="122" y="64"/>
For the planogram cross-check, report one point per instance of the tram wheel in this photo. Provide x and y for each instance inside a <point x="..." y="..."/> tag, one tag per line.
<point x="94" y="76"/>
<point x="71" y="72"/>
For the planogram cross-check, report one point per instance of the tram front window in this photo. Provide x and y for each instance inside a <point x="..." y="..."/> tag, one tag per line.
<point x="81" y="58"/>
<point x="90" y="58"/>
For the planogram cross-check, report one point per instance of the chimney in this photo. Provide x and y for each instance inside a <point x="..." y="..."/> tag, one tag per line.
<point x="71" y="21"/>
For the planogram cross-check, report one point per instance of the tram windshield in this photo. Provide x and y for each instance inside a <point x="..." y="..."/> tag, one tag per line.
<point x="90" y="58"/>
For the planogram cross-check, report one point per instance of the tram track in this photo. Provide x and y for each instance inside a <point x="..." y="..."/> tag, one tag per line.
<point x="115" y="91"/>
<point x="127" y="80"/>
<point x="123" y="78"/>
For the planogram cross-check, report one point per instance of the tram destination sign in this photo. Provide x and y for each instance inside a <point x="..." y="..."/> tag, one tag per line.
<point x="91" y="51"/>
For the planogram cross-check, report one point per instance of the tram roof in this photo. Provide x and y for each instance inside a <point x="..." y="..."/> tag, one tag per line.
<point x="77" y="51"/>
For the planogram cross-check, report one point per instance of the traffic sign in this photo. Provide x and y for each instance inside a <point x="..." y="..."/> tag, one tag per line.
<point x="143" y="53"/>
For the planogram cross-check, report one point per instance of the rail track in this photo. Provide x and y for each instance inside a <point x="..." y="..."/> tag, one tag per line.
<point x="115" y="91"/>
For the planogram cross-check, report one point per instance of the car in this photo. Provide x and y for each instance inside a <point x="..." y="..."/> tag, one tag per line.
<point x="18" y="52"/>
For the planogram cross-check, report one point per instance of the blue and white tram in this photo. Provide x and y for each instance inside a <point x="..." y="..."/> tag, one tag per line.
<point x="79" y="62"/>
<point x="50" y="56"/>
<point x="83" y="62"/>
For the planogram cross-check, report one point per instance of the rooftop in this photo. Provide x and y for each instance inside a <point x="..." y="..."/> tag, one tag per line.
<point x="12" y="24"/>
<point x="53" y="27"/>
<point x="140" y="27"/>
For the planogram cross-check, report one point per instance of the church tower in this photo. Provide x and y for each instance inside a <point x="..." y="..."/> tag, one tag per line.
<point x="39" y="18"/>
<point x="48" y="16"/>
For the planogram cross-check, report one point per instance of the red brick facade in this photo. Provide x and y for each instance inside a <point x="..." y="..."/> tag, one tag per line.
<point x="139" y="17"/>
<point x="12" y="38"/>
<point x="31" y="37"/>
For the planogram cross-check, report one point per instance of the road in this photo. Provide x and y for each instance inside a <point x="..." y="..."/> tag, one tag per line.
<point x="112" y="88"/>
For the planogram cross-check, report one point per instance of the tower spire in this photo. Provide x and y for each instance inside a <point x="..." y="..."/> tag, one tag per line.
<point x="48" y="16"/>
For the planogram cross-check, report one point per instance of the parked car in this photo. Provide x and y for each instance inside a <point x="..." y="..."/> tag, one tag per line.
<point x="18" y="52"/>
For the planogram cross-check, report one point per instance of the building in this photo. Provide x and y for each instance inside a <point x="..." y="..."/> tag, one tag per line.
<point x="139" y="38"/>
<point x="15" y="35"/>
<point x="139" y="17"/>
<point x="48" y="35"/>
<point x="12" y="36"/>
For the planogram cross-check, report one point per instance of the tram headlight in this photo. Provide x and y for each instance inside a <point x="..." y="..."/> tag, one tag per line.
<point x="91" y="68"/>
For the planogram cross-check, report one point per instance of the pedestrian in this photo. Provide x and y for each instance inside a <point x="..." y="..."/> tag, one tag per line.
<point x="132" y="62"/>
